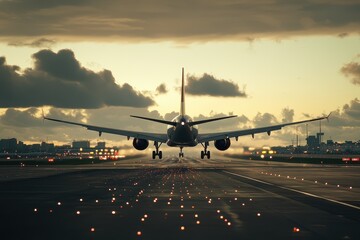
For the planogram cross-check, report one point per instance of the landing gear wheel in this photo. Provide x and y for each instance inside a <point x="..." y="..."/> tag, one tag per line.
<point x="205" y="152"/>
<point x="181" y="154"/>
<point x="157" y="152"/>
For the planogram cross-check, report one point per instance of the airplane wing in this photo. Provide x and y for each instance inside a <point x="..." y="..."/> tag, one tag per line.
<point x="252" y="131"/>
<point x="142" y="135"/>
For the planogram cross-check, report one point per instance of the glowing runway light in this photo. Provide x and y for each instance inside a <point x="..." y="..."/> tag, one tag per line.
<point x="92" y="229"/>
<point x="59" y="203"/>
<point x="77" y="212"/>
<point x="139" y="233"/>
<point x="196" y="215"/>
<point x="182" y="228"/>
<point x="81" y="199"/>
<point x="35" y="210"/>
<point x="198" y="222"/>
<point x="258" y="214"/>
<point x="229" y="223"/>
<point x="113" y="212"/>
<point x="296" y="229"/>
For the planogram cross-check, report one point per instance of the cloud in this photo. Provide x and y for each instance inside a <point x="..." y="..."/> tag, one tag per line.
<point x="287" y="115"/>
<point x="352" y="70"/>
<point x="222" y="125"/>
<point x="182" y="20"/>
<point x="37" y="43"/>
<point x="59" y="80"/>
<point x="265" y="119"/>
<point x="210" y="86"/>
<point x="161" y="89"/>
<point x="27" y="125"/>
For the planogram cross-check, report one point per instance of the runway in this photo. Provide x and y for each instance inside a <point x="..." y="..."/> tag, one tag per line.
<point x="185" y="198"/>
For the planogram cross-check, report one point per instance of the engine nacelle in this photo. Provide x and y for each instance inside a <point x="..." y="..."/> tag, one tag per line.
<point x="222" y="144"/>
<point x="140" y="144"/>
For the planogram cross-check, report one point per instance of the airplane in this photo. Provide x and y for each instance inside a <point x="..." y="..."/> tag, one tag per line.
<point x="182" y="131"/>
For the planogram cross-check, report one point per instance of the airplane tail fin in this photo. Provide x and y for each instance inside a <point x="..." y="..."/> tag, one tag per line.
<point x="182" y="106"/>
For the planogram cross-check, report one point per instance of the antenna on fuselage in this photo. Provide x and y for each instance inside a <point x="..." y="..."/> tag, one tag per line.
<point x="182" y="106"/>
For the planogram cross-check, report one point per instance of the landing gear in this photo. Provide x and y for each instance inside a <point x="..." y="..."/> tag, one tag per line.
<point x="205" y="152"/>
<point x="181" y="154"/>
<point x="157" y="152"/>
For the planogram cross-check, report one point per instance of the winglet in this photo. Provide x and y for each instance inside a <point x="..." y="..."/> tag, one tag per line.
<point x="327" y="117"/>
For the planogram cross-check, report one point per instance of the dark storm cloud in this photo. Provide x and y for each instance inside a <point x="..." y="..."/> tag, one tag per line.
<point x="16" y="118"/>
<point x="59" y="80"/>
<point x="161" y="89"/>
<point x="352" y="71"/>
<point x="38" y="43"/>
<point x="209" y="85"/>
<point x="176" y="20"/>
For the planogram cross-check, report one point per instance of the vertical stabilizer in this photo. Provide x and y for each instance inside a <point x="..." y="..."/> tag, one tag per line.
<point x="182" y="106"/>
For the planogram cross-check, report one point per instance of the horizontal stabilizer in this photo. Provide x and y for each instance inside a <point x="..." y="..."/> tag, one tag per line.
<point x="210" y="120"/>
<point x="155" y="120"/>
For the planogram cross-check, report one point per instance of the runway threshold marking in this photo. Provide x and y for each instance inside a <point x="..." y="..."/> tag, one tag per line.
<point x="294" y="190"/>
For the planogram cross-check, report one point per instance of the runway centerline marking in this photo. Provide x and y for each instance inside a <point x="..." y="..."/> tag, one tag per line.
<point x="294" y="190"/>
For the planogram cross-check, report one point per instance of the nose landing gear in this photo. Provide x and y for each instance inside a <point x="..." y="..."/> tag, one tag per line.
<point x="181" y="154"/>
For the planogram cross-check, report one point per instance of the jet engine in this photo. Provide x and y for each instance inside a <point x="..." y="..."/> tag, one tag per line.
<point x="140" y="144"/>
<point x="222" y="144"/>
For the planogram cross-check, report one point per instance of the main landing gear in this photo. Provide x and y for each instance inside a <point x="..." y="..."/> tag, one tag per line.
<point x="205" y="152"/>
<point x="181" y="154"/>
<point x="157" y="152"/>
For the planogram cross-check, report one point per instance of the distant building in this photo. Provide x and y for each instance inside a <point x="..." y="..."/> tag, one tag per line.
<point x="101" y="145"/>
<point x="47" y="147"/>
<point x="312" y="142"/>
<point x="8" y="145"/>
<point x="35" y="147"/>
<point x="81" y="144"/>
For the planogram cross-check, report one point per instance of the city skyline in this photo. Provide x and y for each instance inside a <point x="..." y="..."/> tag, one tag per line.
<point x="275" y="62"/>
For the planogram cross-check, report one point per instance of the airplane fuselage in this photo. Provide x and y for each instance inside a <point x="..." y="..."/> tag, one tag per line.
<point x="182" y="134"/>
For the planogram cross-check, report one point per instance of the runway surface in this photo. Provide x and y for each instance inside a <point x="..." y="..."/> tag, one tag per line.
<point x="187" y="198"/>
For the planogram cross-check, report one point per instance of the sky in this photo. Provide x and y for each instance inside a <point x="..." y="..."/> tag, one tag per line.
<point x="267" y="61"/>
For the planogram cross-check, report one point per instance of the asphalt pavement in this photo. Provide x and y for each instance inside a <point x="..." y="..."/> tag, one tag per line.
<point x="188" y="198"/>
